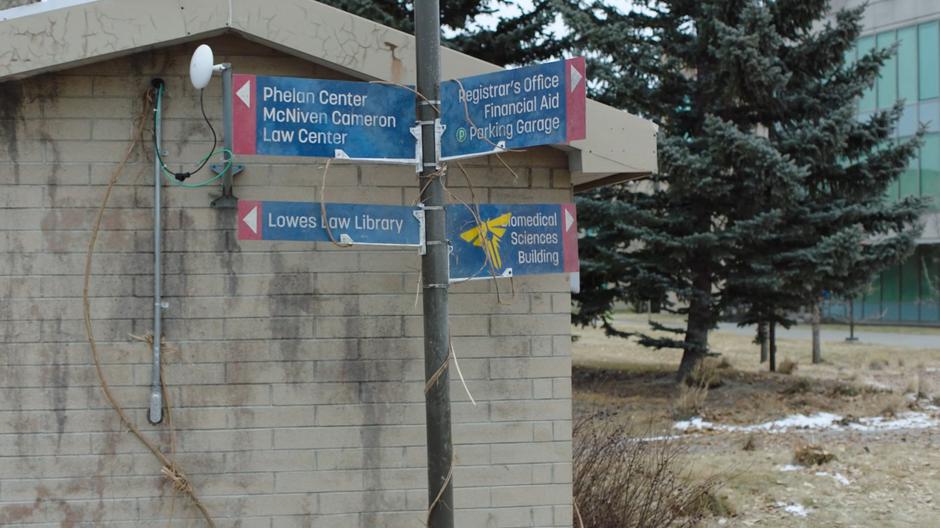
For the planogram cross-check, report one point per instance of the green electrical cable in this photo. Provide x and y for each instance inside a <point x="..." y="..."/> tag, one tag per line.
<point x="170" y="175"/>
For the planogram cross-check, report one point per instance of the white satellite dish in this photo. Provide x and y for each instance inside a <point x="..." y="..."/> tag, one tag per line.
<point x="201" y="67"/>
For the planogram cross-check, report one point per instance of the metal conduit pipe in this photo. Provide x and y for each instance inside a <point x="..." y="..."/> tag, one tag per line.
<point x="155" y="415"/>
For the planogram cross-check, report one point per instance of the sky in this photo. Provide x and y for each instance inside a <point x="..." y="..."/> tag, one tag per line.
<point x="515" y="8"/>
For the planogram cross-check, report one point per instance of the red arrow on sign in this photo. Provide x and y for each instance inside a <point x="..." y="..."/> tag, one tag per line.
<point x="249" y="220"/>
<point x="244" y="114"/>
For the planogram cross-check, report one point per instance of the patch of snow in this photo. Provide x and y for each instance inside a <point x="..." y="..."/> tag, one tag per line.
<point x="695" y="423"/>
<point x="908" y="420"/>
<point x="794" y="509"/>
<point x="800" y="421"/>
<point x="789" y="467"/>
<point x="839" y="477"/>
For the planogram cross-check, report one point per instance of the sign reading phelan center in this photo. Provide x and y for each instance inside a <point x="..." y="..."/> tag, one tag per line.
<point x="289" y="116"/>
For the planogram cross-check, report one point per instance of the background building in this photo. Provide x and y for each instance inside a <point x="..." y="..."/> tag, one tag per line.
<point x="910" y="292"/>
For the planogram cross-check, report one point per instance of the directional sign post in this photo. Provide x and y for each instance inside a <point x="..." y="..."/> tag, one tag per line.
<point x="509" y="240"/>
<point x="289" y="116"/>
<point x="354" y="224"/>
<point x="513" y="109"/>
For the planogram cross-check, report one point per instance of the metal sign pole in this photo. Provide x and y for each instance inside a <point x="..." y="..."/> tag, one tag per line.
<point x="434" y="272"/>
<point x="227" y="199"/>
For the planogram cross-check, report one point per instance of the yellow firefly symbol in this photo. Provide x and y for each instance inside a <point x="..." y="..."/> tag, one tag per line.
<point x="488" y="235"/>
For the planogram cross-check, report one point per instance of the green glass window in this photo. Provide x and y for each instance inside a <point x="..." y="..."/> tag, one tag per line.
<point x="890" y="292"/>
<point x="867" y="102"/>
<point x="909" y="182"/>
<point x="871" y="301"/>
<point x="849" y="57"/>
<point x="930" y="283"/>
<point x="910" y="289"/>
<point x="907" y="64"/>
<point x="929" y="258"/>
<point x="893" y="191"/>
<point x="928" y="40"/>
<point x="888" y="80"/>
<point x="930" y="169"/>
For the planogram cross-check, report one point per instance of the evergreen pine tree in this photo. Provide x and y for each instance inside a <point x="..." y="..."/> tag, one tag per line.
<point x="840" y="231"/>
<point x="737" y="218"/>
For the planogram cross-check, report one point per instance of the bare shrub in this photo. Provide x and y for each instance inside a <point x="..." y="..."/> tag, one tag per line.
<point x="811" y="455"/>
<point x="787" y="367"/>
<point x="621" y="481"/>
<point x="801" y="386"/>
<point x="892" y="405"/>
<point x="919" y="387"/>
<point x="879" y="364"/>
<point x="706" y="374"/>
<point x="924" y="387"/>
<point x="690" y="401"/>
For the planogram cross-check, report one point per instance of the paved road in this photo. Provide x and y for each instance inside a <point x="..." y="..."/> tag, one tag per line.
<point x="878" y="338"/>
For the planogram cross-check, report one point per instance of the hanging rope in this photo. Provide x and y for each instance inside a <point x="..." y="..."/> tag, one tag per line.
<point x="170" y="469"/>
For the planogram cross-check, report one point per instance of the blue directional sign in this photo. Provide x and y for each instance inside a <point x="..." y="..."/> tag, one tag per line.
<point x="384" y="225"/>
<point x="509" y="240"/>
<point x="289" y="116"/>
<point x="513" y="109"/>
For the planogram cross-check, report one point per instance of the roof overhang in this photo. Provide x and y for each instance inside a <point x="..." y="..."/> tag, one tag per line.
<point x="61" y="34"/>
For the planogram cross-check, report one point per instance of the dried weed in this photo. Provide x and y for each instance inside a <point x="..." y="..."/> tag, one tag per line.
<point x="811" y="455"/>
<point x="621" y="481"/>
<point x="787" y="367"/>
<point x="690" y="401"/>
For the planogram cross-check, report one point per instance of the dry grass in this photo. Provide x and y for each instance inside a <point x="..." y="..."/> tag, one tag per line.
<point x="856" y="380"/>
<point x="844" y="361"/>
<point x="880" y="364"/>
<point x="787" y="367"/>
<point x="706" y="374"/>
<point x="893" y="405"/>
<point x="811" y="455"/>
<point x="621" y="481"/>
<point x="690" y="401"/>
<point x="919" y="386"/>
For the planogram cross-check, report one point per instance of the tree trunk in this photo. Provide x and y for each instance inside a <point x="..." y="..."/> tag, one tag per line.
<point x="696" y="332"/>
<point x="773" y="346"/>
<point x="762" y="338"/>
<point x="817" y="352"/>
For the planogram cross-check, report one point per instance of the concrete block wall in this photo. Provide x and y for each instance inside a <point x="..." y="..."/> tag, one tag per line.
<point x="295" y="371"/>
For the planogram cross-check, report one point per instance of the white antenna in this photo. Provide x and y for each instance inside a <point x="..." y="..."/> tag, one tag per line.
<point x="202" y="66"/>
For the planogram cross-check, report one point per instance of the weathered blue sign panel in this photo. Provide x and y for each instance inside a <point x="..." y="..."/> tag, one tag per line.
<point x="386" y="225"/>
<point x="513" y="109"/>
<point x="509" y="240"/>
<point x="289" y="116"/>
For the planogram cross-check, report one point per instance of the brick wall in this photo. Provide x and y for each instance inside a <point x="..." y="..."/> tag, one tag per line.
<point x="295" y="371"/>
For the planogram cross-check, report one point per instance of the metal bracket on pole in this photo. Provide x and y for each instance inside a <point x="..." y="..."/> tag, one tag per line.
<point x="416" y="132"/>
<point x="439" y="129"/>
<point x="423" y="235"/>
